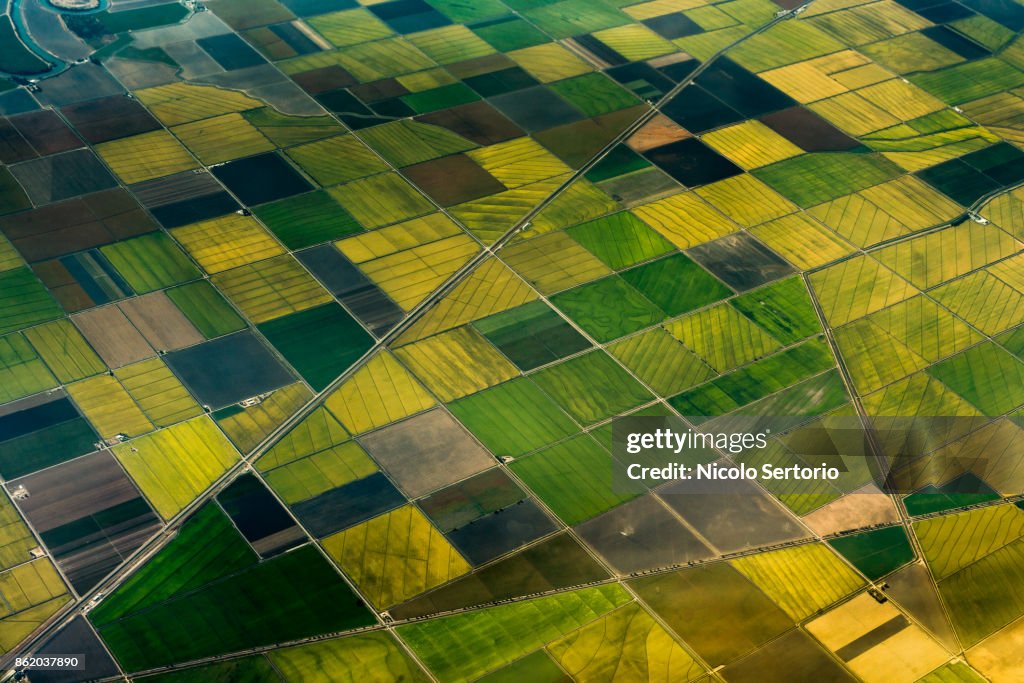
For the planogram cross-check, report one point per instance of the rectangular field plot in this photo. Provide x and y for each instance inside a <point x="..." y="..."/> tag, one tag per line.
<point x="146" y="156"/>
<point x="222" y="138"/>
<point x="76" y="224"/>
<point x="528" y="625"/>
<point x="272" y="288"/>
<point x="206" y="309"/>
<point x="513" y="418"/>
<point x="158" y="392"/>
<point x="24" y="301"/>
<point x="415" y="556"/>
<point x="151" y="262"/>
<point x="292" y="596"/>
<point x="33" y="592"/>
<point x="259" y="517"/>
<point x="574" y="478"/>
<point x="223" y="243"/>
<point x="109" y="408"/>
<point x="426" y="452"/>
<point x="176" y="464"/>
<point x="164" y="326"/>
<point x="89" y="514"/>
<point x="22" y="372"/>
<point x="228" y="369"/>
<point x="113" y="336"/>
<point x="41" y="431"/>
<point x="321" y="343"/>
<point x="532" y="335"/>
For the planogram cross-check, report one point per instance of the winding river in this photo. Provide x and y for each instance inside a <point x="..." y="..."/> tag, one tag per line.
<point x="38" y="17"/>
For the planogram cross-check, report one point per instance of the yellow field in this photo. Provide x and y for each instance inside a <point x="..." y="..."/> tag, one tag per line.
<point x="1010" y="271"/>
<point x="661" y="361"/>
<point x="862" y="76"/>
<point x="337" y="160"/>
<point x="902" y="657"/>
<point x="381" y="200"/>
<point x="395" y="238"/>
<point x="29" y="595"/>
<point x="351" y="27"/>
<point x="409" y="276"/>
<point x="582" y="201"/>
<point x="927" y="329"/>
<point x="550" y="62"/>
<point x="984" y="301"/>
<point x="382" y="59"/>
<point x="147" y="156"/>
<point x="751" y="144"/>
<point x="685" y="220"/>
<point x="722" y="336"/>
<point x="902" y="100"/>
<point x="426" y="80"/>
<point x="379" y="393"/>
<point x="932" y="259"/>
<point x="858" y="220"/>
<point x="176" y="464"/>
<point x="857" y="287"/>
<point x="364" y="657"/>
<point x="518" y="162"/>
<point x="815" y="79"/>
<point x="802" y="579"/>
<point x="183" y="102"/>
<point x="457" y="363"/>
<point x="449" y="44"/>
<point x="109" y="407"/>
<point x="853" y="114"/>
<point x="1007" y="211"/>
<point x="656" y="8"/>
<point x="635" y="42"/>
<point x="15" y="538"/>
<point x="29" y="584"/>
<point x="491" y="288"/>
<point x="222" y="138"/>
<point x="317" y="432"/>
<point x="746" y="200"/>
<point x="321" y="472"/>
<point x="628" y="643"/>
<point x="989" y="656"/>
<point x="15" y="629"/>
<point x="952" y="542"/>
<point x="227" y="242"/>
<point x="554" y="262"/>
<point x="395" y="556"/>
<point x="158" y="392"/>
<point x="913" y="203"/>
<point x="802" y="241"/>
<point x="272" y="288"/>
<point x="873" y="357"/>
<point x="249" y="426"/>
<point x="490" y="217"/>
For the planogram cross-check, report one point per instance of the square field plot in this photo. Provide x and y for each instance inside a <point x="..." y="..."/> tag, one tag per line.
<point x="321" y="343"/>
<point x="63" y="176"/>
<point x="740" y="261"/>
<point x="692" y="163"/>
<point x="427" y="452"/>
<point x="260" y="179"/>
<point x="89" y="514"/>
<point x="229" y="369"/>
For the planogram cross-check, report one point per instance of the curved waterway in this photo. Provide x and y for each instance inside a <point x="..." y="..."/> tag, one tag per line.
<point x="19" y="11"/>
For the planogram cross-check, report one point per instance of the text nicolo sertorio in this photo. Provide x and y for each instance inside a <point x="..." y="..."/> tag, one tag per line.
<point x="667" y="439"/>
